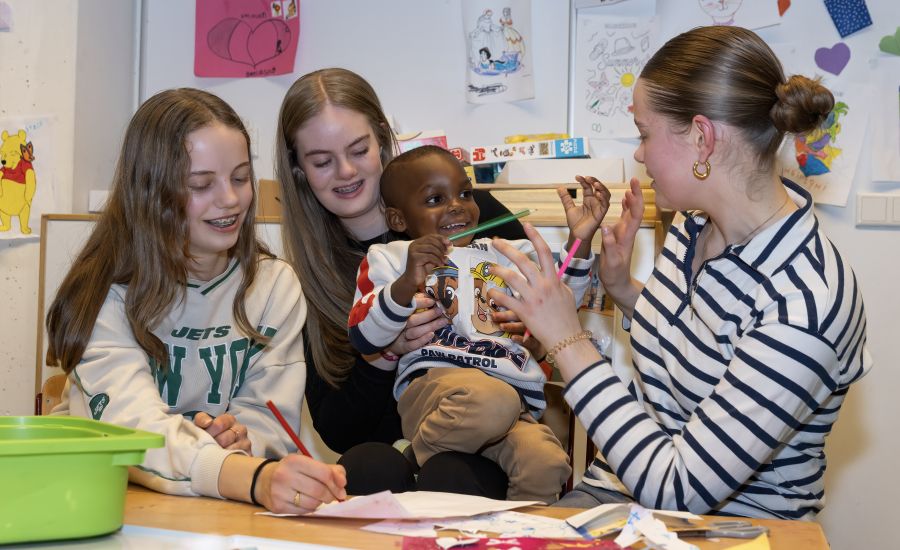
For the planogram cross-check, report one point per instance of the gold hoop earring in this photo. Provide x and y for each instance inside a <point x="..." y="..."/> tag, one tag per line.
<point x="698" y="174"/>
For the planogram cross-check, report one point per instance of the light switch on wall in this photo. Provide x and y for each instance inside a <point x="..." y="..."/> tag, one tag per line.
<point x="877" y="209"/>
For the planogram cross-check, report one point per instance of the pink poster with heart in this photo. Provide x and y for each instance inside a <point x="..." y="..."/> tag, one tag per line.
<point x="246" y="38"/>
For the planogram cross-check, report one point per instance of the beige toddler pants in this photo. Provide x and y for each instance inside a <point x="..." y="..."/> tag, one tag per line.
<point x="464" y="409"/>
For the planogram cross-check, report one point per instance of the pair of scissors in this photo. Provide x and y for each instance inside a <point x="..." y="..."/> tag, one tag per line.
<point x="733" y="529"/>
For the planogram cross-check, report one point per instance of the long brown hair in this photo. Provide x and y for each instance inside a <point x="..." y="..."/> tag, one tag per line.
<point x="316" y="243"/>
<point x="141" y="239"/>
<point x="729" y="74"/>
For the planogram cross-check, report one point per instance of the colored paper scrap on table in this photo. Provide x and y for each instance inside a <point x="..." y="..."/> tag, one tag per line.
<point x="495" y="524"/>
<point x="849" y="16"/>
<point x="642" y="525"/>
<point x="891" y="43"/>
<point x="412" y="505"/>
<point x="246" y="38"/>
<point x="520" y="543"/>
<point x="609" y="518"/>
<point x="833" y="59"/>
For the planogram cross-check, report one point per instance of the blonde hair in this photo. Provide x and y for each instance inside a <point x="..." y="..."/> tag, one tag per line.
<point x="142" y="238"/>
<point x="729" y="74"/>
<point x="316" y="243"/>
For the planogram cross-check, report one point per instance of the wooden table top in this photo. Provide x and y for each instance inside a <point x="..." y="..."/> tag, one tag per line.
<point x="207" y="515"/>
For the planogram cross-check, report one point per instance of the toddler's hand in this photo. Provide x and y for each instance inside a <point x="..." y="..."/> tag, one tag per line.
<point x="424" y="256"/>
<point x="584" y="220"/>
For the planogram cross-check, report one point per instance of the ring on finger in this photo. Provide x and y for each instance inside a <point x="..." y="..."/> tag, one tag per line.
<point x="296" y="500"/>
<point x="237" y="434"/>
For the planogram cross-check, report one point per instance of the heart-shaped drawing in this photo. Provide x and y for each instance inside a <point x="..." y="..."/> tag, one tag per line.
<point x="891" y="43"/>
<point x="833" y="59"/>
<point x="234" y="40"/>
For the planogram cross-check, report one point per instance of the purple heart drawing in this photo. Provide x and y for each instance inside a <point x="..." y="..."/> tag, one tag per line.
<point x="833" y="59"/>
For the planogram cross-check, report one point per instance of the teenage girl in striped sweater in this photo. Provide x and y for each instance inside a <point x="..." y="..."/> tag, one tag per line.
<point x="751" y="327"/>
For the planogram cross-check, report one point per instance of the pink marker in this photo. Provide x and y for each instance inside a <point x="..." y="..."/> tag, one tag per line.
<point x="562" y="269"/>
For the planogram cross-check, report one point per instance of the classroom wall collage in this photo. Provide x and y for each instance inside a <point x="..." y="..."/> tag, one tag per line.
<point x="83" y="66"/>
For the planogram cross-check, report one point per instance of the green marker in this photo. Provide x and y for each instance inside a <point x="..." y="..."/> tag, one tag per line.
<point x="492" y="223"/>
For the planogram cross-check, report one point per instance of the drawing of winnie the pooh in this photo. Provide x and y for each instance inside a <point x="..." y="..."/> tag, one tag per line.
<point x="17" y="180"/>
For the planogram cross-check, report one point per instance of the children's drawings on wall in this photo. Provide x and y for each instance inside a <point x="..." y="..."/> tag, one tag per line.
<point x="610" y="54"/>
<point x="816" y="151"/>
<point x="722" y="12"/>
<point x="849" y="16"/>
<point x="26" y="183"/>
<point x="5" y="17"/>
<point x="833" y="59"/>
<point x="246" y="38"/>
<point x="783" y="6"/>
<point x="890" y="43"/>
<point x="824" y="160"/>
<point x="751" y="14"/>
<point x="498" y="50"/>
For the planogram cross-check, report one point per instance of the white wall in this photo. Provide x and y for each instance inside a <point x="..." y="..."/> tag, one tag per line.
<point x="410" y="52"/>
<point x="37" y="67"/>
<point x="105" y="91"/>
<point x="72" y="60"/>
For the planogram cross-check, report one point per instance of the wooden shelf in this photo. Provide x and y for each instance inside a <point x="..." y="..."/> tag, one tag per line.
<point x="548" y="210"/>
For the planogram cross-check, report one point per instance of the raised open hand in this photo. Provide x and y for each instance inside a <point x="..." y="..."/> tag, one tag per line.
<point x="584" y="219"/>
<point x="618" y="241"/>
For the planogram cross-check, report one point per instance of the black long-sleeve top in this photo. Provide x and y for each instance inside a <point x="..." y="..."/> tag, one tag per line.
<point x="363" y="408"/>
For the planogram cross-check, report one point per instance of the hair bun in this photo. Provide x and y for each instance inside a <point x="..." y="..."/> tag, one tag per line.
<point x="802" y="105"/>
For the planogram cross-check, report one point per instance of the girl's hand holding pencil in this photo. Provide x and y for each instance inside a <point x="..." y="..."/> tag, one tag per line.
<point x="299" y="484"/>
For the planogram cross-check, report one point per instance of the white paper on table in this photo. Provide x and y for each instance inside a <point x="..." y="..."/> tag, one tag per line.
<point x="506" y="524"/>
<point x="413" y="505"/>
<point x="135" y="537"/>
<point x="609" y="513"/>
<point x="642" y="525"/>
<point x="403" y="528"/>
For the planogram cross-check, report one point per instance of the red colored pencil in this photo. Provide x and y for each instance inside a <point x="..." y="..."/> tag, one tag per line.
<point x="288" y="429"/>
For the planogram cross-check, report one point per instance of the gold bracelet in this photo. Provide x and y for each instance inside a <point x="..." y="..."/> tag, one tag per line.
<point x="551" y="354"/>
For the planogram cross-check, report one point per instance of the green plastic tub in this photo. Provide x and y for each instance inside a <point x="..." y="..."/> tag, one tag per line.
<point x="63" y="477"/>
